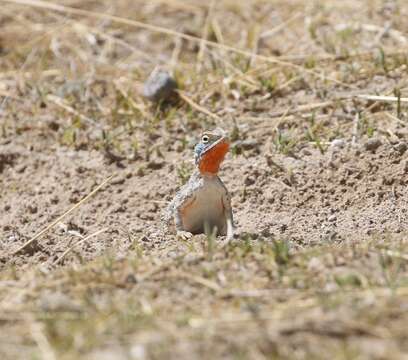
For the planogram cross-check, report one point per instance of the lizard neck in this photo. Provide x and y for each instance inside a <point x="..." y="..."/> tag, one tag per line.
<point x="197" y="174"/>
<point x="211" y="160"/>
<point x="208" y="175"/>
<point x="208" y="168"/>
<point x="205" y="176"/>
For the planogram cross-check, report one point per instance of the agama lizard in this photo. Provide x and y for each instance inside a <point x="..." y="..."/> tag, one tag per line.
<point x="203" y="203"/>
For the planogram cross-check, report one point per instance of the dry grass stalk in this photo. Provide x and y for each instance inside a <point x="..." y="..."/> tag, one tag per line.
<point x="194" y="105"/>
<point x="66" y="252"/>
<point x="380" y="98"/>
<point x="158" y="29"/>
<point x="200" y="55"/>
<point x="40" y="338"/>
<point x="56" y="221"/>
<point x="62" y="104"/>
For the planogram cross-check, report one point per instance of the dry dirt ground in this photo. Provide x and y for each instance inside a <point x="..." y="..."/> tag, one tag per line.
<point x="317" y="175"/>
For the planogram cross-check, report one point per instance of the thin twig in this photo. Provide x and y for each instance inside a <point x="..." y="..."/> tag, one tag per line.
<point x="162" y="30"/>
<point x="382" y="98"/>
<point x="217" y="30"/>
<point x="273" y="315"/>
<point x="283" y="113"/>
<point x="238" y="75"/>
<point x="180" y="5"/>
<point x="257" y="293"/>
<point x="355" y="128"/>
<point x="381" y="30"/>
<point x="66" y="252"/>
<point x="9" y="95"/>
<point x="62" y="104"/>
<point x="55" y="222"/>
<point x="206" y="30"/>
<point x="255" y="45"/>
<point x="197" y="279"/>
<point x="175" y="56"/>
<point x="396" y="254"/>
<point x="280" y="27"/>
<point x="37" y="332"/>
<point x="194" y="105"/>
<point x="392" y="117"/>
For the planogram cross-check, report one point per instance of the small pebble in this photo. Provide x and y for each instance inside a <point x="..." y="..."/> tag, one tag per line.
<point x="338" y="143"/>
<point x="118" y="209"/>
<point x="332" y="218"/>
<point x="140" y="172"/>
<point x="80" y="169"/>
<point x="54" y="199"/>
<point x="54" y="126"/>
<point x="401" y="147"/>
<point x="306" y="152"/>
<point x="21" y="168"/>
<point x="118" y="180"/>
<point x="315" y="265"/>
<point x="155" y="165"/>
<point x="372" y="144"/>
<point x="159" y="86"/>
<point x="32" y="208"/>
<point x="266" y="232"/>
<point x="130" y="279"/>
<point x="248" y="144"/>
<point x="249" y="180"/>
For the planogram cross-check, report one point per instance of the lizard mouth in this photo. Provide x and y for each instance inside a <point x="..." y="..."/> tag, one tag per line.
<point x="215" y="144"/>
<point x="213" y="156"/>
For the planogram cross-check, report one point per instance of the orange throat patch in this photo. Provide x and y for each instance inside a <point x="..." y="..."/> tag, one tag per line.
<point x="212" y="159"/>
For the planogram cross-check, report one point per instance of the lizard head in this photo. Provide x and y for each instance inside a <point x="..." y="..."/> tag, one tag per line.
<point x="211" y="150"/>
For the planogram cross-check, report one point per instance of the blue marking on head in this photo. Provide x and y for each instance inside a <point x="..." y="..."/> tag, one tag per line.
<point x="208" y="140"/>
<point x="198" y="150"/>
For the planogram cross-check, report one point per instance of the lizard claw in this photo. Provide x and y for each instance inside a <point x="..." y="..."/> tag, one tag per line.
<point x="229" y="239"/>
<point x="184" y="235"/>
<point x="231" y="235"/>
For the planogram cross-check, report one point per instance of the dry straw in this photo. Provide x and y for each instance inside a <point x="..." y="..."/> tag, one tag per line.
<point x="169" y="32"/>
<point x="56" y="221"/>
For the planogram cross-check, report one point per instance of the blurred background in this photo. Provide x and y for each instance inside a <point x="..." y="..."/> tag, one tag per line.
<point x="313" y="95"/>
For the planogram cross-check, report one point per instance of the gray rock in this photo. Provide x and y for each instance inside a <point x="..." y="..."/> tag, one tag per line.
<point x="249" y="180"/>
<point x="338" y="143"/>
<point x="332" y="218"/>
<point x="249" y="144"/>
<point x="401" y="147"/>
<point x="159" y="86"/>
<point x="372" y="144"/>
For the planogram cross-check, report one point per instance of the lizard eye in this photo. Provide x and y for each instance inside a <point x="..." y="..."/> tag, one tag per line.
<point x="205" y="139"/>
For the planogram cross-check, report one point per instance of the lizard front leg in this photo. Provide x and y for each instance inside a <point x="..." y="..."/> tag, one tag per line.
<point x="229" y="219"/>
<point x="181" y="233"/>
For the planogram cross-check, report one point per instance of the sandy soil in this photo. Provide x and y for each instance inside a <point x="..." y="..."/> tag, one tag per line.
<point x="312" y="166"/>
